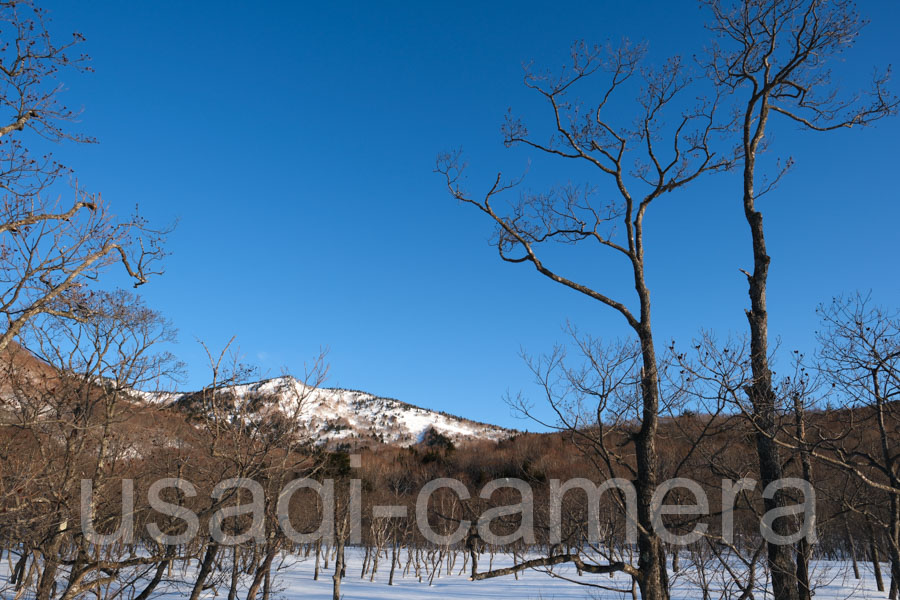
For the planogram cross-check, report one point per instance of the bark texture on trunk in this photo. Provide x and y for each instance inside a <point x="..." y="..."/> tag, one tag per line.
<point x="653" y="580"/>
<point x="761" y="392"/>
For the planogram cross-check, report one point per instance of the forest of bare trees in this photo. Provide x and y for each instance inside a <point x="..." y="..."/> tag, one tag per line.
<point x="104" y="494"/>
<point x="704" y="432"/>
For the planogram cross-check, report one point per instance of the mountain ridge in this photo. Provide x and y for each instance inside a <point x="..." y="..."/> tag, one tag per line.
<point x="346" y="418"/>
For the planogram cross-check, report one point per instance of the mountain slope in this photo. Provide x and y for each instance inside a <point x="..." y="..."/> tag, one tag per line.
<point x="349" y="418"/>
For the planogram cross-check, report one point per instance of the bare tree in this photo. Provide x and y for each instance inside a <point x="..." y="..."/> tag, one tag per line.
<point x="49" y="249"/>
<point x="666" y="158"/>
<point x="774" y="56"/>
<point x="860" y="358"/>
<point x="248" y="434"/>
<point x="66" y="408"/>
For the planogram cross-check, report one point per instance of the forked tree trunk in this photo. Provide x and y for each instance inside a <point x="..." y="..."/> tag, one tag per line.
<point x="261" y="571"/>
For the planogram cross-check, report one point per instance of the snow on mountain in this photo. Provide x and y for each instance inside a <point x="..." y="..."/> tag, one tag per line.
<point x="350" y="418"/>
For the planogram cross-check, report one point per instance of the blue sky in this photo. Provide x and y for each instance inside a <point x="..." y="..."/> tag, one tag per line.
<point x="295" y="142"/>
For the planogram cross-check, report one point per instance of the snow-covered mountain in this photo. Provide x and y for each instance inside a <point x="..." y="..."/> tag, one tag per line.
<point x="339" y="417"/>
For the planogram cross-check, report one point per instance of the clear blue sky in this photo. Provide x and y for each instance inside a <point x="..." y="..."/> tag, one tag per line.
<point x="295" y="144"/>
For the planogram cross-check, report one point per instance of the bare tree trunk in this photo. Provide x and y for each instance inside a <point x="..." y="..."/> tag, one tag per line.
<point x="852" y="551"/>
<point x="435" y="566"/>
<point x="374" y="565"/>
<point x="205" y="567"/>
<point x="393" y="563"/>
<point x="365" y="563"/>
<point x="235" y="572"/>
<point x="653" y="580"/>
<point x="894" y="542"/>
<point x="18" y="572"/>
<point x="318" y="554"/>
<point x="47" y="581"/>
<point x="24" y="581"/>
<point x="157" y="578"/>
<point x="761" y="392"/>
<point x="876" y="564"/>
<point x="803" y="555"/>
<point x="804" y="551"/>
<point x="261" y="571"/>
<point x="338" y="568"/>
<point x="804" y="36"/>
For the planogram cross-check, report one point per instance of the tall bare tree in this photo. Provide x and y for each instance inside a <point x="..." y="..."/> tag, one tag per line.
<point x="666" y="157"/>
<point x="775" y="56"/>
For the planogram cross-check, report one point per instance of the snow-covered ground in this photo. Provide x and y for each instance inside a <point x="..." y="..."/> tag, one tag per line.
<point x="293" y="580"/>
<point x="834" y="580"/>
